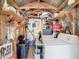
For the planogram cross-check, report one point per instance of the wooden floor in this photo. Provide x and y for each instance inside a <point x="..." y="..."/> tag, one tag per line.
<point x="31" y="53"/>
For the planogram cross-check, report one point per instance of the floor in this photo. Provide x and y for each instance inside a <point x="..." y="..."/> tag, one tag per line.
<point x="31" y="52"/>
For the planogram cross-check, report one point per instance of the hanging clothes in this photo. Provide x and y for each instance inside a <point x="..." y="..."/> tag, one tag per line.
<point x="45" y="14"/>
<point x="7" y="6"/>
<point x="32" y="24"/>
<point x="30" y="36"/>
<point x="57" y="26"/>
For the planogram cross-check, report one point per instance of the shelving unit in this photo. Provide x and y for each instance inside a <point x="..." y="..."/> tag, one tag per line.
<point x="17" y="23"/>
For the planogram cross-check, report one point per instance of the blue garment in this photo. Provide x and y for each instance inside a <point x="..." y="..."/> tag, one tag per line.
<point x="33" y="25"/>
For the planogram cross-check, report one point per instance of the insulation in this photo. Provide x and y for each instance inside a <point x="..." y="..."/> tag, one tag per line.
<point x="22" y="2"/>
<point x="55" y="3"/>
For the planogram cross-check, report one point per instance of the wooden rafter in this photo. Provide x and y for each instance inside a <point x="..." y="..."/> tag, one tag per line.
<point x="75" y="4"/>
<point x="16" y="17"/>
<point x="37" y="5"/>
<point x="35" y="9"/>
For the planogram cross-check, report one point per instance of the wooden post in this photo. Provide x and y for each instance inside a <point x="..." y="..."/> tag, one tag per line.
<point x="74" y="20"/>
<point x="2" y="28"/>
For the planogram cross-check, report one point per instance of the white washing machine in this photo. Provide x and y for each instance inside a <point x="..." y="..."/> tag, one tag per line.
<point x="64" y="47"/>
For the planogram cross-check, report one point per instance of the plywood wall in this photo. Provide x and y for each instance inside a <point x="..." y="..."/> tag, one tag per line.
<point x="2" y="29"/>
<point x="77" y="0"/>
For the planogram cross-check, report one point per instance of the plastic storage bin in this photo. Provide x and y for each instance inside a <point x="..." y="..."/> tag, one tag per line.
<point x="21" y="51"/>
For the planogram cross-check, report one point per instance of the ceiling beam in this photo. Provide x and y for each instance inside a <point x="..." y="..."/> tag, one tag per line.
<point x="13" y="3"/>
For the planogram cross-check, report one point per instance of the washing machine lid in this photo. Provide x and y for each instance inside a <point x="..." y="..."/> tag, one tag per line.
<point x="72" y="39"/>
<point x="48" y="40"/>
<point x="63" y="39"/>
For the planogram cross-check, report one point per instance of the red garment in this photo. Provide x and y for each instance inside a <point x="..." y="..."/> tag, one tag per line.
<point x="57" y="27"/>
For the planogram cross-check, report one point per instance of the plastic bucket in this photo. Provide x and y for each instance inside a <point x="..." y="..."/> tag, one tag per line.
<point x="30" y="43"/>
<point x="37" y="56"/>
<point x="21" y="51"/>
